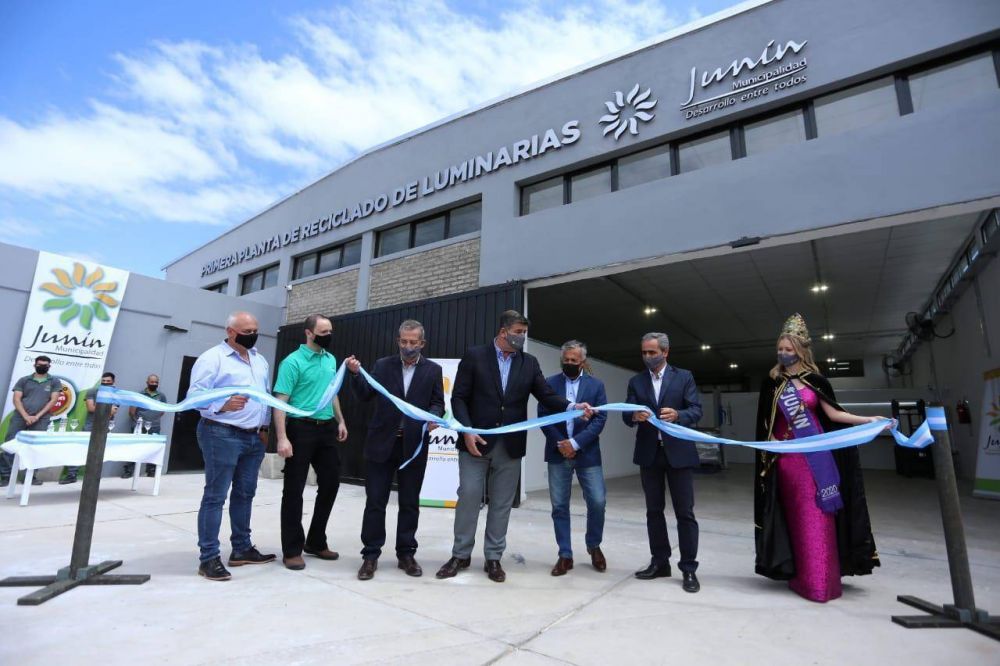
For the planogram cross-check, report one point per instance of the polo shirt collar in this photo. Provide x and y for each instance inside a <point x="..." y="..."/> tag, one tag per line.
<point x="304" y="348"/>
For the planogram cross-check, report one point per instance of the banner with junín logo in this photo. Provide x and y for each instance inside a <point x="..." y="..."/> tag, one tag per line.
<point x="71" y="315"/>
<point x="987" y="482"/>
<point x="441" y="478"/>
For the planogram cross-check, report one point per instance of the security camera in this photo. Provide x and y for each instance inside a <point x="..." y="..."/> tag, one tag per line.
<point x="288" y="287"/>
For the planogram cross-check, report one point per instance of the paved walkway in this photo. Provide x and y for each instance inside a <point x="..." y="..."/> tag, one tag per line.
<point x="323" y="615"/>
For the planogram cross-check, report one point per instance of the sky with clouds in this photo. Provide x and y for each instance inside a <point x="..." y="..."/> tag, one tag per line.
<point x="131" y="133"/>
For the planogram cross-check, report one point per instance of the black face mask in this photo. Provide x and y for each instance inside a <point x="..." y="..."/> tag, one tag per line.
<point x="571" y="371"/>
<point x="323" y="340"/>
<point x="152" y="387"/>
<point x="42" y="369"/>
<point x="247" y="340"/>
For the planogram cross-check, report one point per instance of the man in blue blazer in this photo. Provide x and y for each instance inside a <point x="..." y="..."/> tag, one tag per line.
<point x="576" y="445"/>
<point x="394" y="439"/>
<point x="671" y="394"/>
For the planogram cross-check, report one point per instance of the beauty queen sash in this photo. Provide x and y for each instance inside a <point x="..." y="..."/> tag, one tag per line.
<point x="802" y="423"/>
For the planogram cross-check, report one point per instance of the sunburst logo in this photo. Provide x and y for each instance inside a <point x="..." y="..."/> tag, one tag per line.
<point x="994" y="413"/>
<point x="80" y="295"/>
<point x="625" y="112"/>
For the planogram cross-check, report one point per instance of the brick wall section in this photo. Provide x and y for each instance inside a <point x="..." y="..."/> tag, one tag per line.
<point x="333" y="295"/>
<point x="445" y="270"/>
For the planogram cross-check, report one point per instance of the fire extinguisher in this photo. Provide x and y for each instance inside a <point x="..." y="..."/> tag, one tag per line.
<point x="962" y="412"/>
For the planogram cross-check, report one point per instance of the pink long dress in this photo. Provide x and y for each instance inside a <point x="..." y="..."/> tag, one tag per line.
<point x="813" y="533"/>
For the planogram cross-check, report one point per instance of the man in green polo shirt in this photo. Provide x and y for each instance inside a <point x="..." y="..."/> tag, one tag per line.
<point x="303" y="377"/>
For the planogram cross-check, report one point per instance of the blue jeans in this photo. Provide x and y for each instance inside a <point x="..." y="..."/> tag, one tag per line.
<point x="594" y="494"/>
<point x="232" y="458"/>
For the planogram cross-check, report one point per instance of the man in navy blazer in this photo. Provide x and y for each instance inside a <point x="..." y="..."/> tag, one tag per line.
<point x="394" y="439"/>
<point x="576" y="445"/>
<point x="671" y="394"/>
<point x="492" y="385"/>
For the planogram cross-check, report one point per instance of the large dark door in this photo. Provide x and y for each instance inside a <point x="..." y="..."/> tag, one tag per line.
<point x="185" y="456"/>
<point x="452" y="324"/>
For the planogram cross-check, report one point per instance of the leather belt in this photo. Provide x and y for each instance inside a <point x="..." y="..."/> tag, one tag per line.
<point x="251" y="431"/>
<point x="304" y="419"/>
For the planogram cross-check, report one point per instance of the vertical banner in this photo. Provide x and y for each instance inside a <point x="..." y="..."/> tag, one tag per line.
<point x="441" y="478"/>
<point x="72" y="309"/>
<point x="987" y="482"/>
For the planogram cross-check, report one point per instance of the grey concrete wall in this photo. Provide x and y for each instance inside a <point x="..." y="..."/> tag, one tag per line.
<point x="961" y="361"/>
<point x="932" y="157"/>
<point x="141" y="345"/>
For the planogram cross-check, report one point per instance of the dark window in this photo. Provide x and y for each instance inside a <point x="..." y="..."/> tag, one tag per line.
<point x="455" y="222"/>
<point x="539" y="196"/>
<point x="265" y="278"/>
<point x="393" y="240"/>
<point x="644" y="167"/>
<point x="220" y="288"/>
<point x="428" y="231"/>
<point x="352" y="253"/>
<point x="304" y="266"/>
<point x="953" y="82"/>
<point x="774" y="132"/>
<point x="465" y="220"/>
<point x="855" y="107"/>
<point x="706" y="151"/>
<point x="327" y="259"/>
<point x="590" y="183"/>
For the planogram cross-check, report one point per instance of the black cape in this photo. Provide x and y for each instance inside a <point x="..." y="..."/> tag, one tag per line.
<point x="855" y="543"/>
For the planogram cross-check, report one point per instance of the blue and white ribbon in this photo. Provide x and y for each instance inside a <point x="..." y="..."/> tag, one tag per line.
<point x="117" y="396"/>
<point x="39" y="437"/>
<point x="828" y="441"/>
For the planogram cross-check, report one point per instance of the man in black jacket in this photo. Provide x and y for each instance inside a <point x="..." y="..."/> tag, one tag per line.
<point x="492" y="386"/>
<point x="671" y="394"/>
<point x="394" y="439"/>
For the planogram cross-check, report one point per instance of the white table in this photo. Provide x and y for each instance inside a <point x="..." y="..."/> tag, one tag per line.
<point x="36" y="449"/>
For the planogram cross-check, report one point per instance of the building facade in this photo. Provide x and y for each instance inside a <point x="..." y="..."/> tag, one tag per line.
<point x="708" y="183"/>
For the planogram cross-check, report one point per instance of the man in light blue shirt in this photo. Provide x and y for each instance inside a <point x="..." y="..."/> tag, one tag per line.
<point x="232" y="435"/>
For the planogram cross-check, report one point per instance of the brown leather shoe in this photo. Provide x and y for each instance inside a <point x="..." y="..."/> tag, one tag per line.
<point x="563" y="565"/>
<point x="367" y="570"/>
<point x="408" y="564"/>
<point x="294" y="563"/>
<point x="323" y="554"/>
<point x="452" y="567"/>
<point x="597" y="558"/>
<point x="495" y="571"/>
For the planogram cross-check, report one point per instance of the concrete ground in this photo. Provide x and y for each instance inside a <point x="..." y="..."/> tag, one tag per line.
<point x="269" y="615"/>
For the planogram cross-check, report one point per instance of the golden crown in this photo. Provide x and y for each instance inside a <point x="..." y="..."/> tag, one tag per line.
<point x="796" y="325"/>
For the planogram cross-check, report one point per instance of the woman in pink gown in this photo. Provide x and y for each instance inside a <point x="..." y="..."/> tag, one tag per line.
<point x="799" y="540"/>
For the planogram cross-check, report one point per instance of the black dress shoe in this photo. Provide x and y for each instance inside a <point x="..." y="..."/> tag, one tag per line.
<point x="408" y="564"/>
<point x="249" y="556"/>
<point x="495" y="571"/>
<point x="452" y="567"/>
<point x="213" y="569"/>
<point x="367" y="570"/>
<point x="690" y="583"/>
<point x="654" y="571"/>
<point x="563" y="565"/>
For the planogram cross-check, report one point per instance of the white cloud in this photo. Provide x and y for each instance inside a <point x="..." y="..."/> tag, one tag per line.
<point x="197" y="132"/>
<point x="17" y="231"/>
